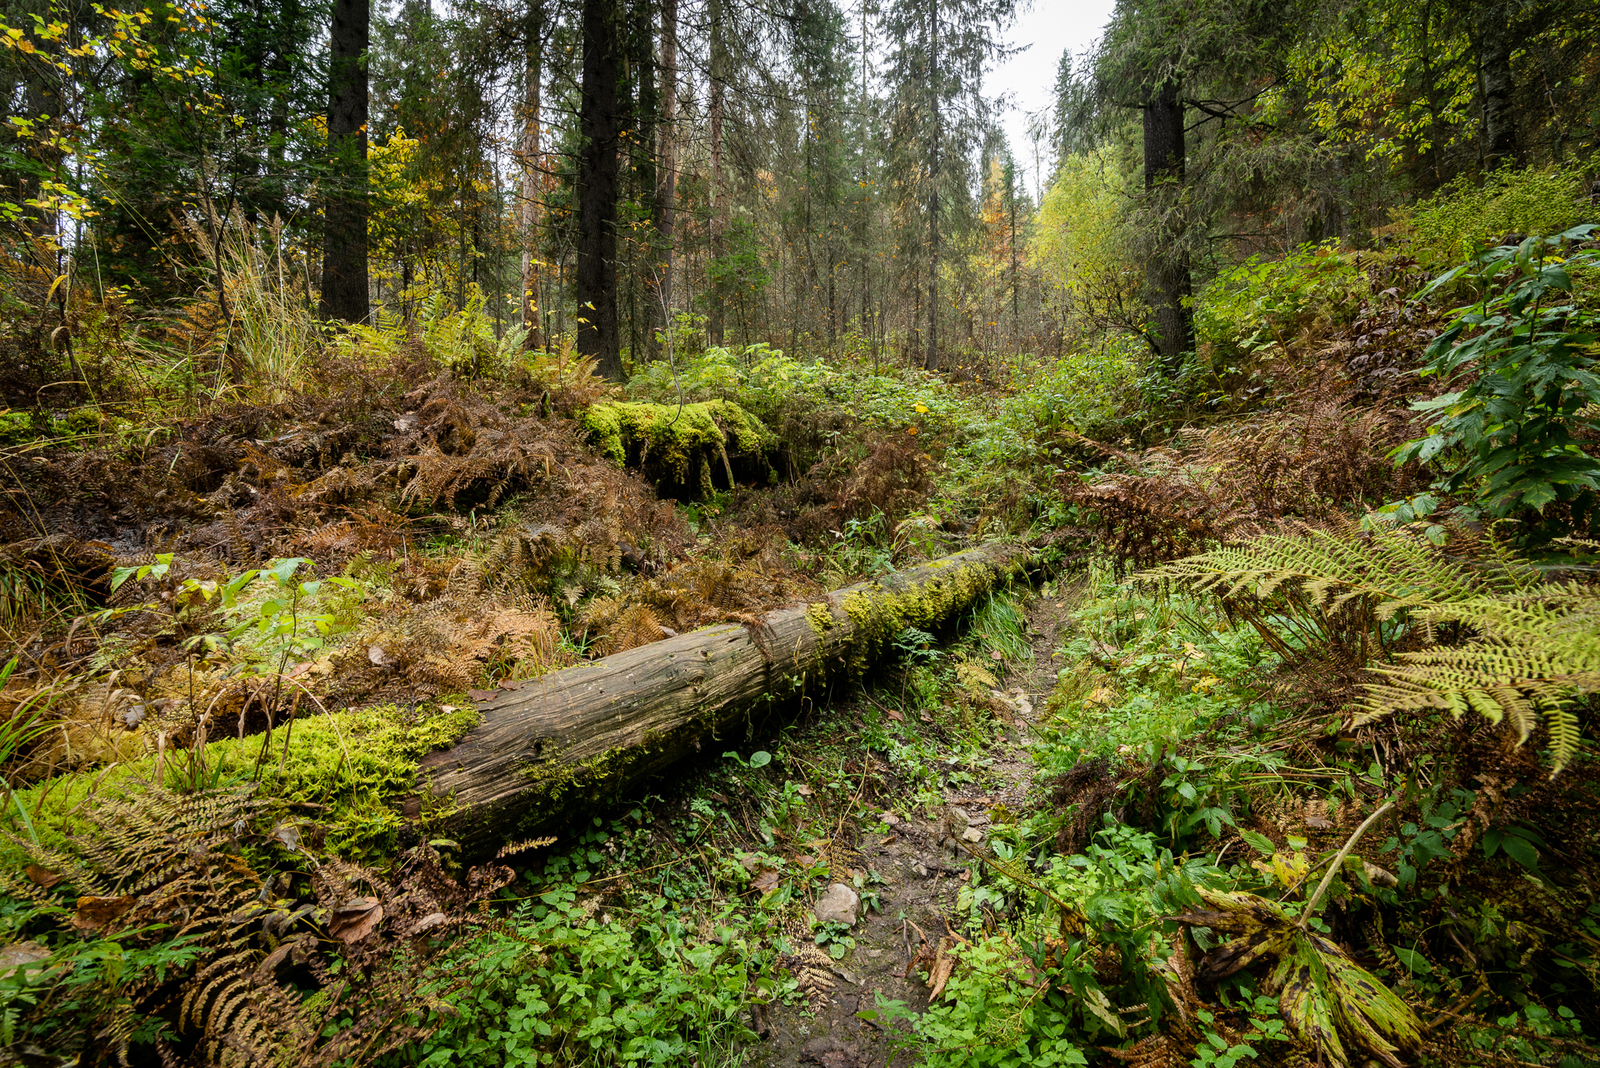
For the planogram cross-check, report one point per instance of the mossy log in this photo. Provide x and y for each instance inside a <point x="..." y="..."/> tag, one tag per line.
<point x="583" y="735"/>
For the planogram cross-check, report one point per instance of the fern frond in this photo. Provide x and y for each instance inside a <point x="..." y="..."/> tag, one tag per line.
<point x="1534" y="645"/>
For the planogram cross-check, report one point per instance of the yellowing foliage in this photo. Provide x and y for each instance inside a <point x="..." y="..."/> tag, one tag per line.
<point x="1079" y="246"/>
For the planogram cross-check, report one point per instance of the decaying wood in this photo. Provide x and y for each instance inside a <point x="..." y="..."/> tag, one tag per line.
<point x="581" y="735"/>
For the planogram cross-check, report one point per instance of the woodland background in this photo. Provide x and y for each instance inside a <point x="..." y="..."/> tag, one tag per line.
<point x="359" y="364"/>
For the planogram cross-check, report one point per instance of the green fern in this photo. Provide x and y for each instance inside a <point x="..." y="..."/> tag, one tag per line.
<point x="1534" y="646"/>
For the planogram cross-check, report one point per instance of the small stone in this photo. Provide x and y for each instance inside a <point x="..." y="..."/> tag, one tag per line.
<point x="839" y="905"/>
<point x="972" y="834"/>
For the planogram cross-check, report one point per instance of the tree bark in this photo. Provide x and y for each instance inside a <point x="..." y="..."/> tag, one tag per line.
<point x="1495" y="84"/>
<point x="583" y="735"/>
<point x="599" y="188"/>
<point x="1167" y="269"/>
<point x="719" y="61"/>
<point x="532" y="176"/>
<point x="344" y="248"/>
<point x="666" y="172"/>
<point x="931" y="359"/>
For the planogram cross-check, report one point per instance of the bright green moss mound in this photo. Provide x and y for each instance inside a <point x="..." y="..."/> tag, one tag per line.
<point x="343" y="771"/>
<point x="677" y="443"/>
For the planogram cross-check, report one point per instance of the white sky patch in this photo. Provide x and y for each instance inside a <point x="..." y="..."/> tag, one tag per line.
<point x="1047" y="27"/>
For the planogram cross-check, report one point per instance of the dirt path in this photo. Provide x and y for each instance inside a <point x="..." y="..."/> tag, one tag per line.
<point x="919" y="857"/>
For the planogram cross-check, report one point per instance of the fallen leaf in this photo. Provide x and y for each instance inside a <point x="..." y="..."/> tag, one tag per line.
<point x="97" y="912"/>
<point x="354" y="921"/>
<point x="43" y="876"/>
<point x="24" y="955"/>
<point x="428" y="922"/>
<point x="940" y="973"/>
<point x="268" y="968"/>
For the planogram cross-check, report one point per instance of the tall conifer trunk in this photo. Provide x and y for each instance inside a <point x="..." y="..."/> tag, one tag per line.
<point x="1167" y="270"/>
<point x="931" y="360"/>
<point x="666" y="192"/>
<point x="719" y="60"/>
<point x="532" y="175"/>
<point x="344" y="241"/>
<point x="598" y="188"/>
<point x="1495" y="83"/>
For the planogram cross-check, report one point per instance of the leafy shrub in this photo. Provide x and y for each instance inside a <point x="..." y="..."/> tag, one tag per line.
<point x="566" y="981"/>
<point x="1261" y="304"/>
<point x="1519" y="435"/>
<point x="1532" y="201"/>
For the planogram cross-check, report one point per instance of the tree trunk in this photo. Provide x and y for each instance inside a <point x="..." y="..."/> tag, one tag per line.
<point x="583" y="735"/>
<point x="719" y="60"/>
<point x="666" y="172"/>
<point x="1495" y="85"/>
<point x="598" y="188"/>
<point x="344" y="241"/>
<point x="532" y="175"/>
<point x="931" y="360"/>
<point x="1167" y="269"/>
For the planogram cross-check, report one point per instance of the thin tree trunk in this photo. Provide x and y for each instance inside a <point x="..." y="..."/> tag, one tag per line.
<point x="1495" y="84"/>
<point x="931" y="360"/>
<point x="718" y="74"/>
<point x="532" y="175"/>
<point x="344" y="242"/>
<point x="598" y="188"/>
<point x="664" y="207"/>
<point x="1167" y="269"/>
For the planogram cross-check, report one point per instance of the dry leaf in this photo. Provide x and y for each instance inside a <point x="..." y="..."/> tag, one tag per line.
<point x="43" y="876"/>
<point x="431" y="920"/>
<point x="939" y="974"/>
<point x="353" y="922"/>
<point x="99" y="912"/>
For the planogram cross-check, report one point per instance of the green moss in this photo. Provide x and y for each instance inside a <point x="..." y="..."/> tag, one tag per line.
<point x="880" y="612"/>
<point x="346" y="769"/>
<point x="820" y="618"/>
<point x="673" y="442"/>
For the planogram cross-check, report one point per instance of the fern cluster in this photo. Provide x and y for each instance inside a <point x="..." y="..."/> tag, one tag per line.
<point x="1524" y="648"/>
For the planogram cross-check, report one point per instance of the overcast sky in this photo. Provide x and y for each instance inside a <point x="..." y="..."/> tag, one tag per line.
<point x="1048" y="27"/>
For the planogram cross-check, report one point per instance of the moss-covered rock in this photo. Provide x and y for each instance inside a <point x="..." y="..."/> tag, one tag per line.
<point x="683" y="448"/>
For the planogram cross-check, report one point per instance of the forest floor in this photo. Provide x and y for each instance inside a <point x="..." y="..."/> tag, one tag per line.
<point x="920" y="849"/>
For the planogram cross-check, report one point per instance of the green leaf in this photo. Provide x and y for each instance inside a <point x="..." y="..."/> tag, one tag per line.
<point x="1520" y="850"/>
<point x="1413" y="960"/>
<point x="1259" y="842"/>
<point x="760" y="758"/>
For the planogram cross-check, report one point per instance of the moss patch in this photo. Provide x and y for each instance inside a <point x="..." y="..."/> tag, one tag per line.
<point x="344" y="770"/>
<point x="682" y="446"/>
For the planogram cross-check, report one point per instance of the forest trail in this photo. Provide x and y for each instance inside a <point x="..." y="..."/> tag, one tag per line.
<point x="920" y="857"/>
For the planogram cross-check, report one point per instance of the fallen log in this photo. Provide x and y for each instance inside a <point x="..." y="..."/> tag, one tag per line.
<point x="581" y="735"/>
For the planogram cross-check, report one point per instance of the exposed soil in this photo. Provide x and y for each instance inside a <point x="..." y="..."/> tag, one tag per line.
<point x="923" y="858"/>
